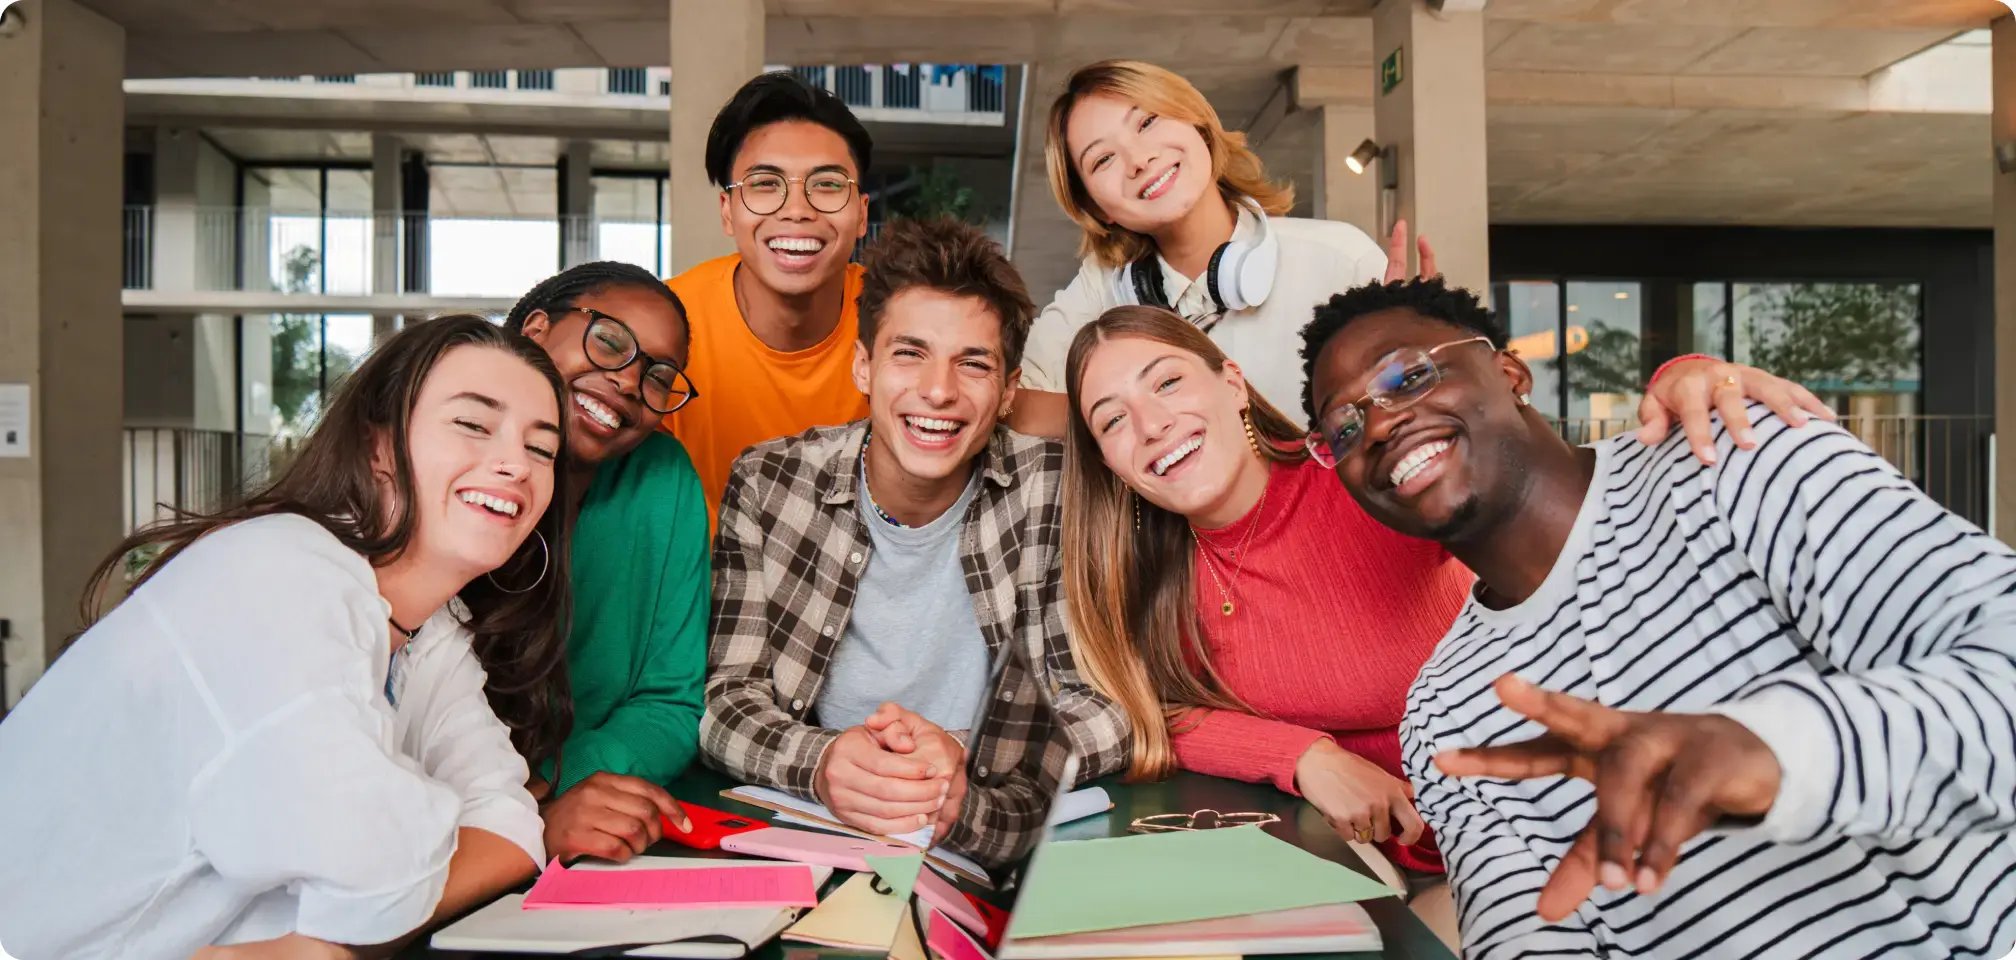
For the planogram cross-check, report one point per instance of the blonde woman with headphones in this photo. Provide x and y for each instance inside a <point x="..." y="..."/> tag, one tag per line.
<point x="1178" y="213"/>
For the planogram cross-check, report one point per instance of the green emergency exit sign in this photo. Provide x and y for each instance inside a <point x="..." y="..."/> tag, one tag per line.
<point x="1390" y="73"/>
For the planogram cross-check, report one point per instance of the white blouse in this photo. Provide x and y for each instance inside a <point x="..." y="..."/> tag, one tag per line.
<point x="1318" y="258"/>
<point x="218" y="760"/>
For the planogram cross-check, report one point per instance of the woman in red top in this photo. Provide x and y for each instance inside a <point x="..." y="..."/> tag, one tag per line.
<point x="1228" y="593"/>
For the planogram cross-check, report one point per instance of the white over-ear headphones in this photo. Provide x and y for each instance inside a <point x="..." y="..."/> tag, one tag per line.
<point x="1240" y="274"/>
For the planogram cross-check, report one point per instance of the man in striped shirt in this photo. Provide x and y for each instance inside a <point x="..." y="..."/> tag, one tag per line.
<point x="1766" y="703"/>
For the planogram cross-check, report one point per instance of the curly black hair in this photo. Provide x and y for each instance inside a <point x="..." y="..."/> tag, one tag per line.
<point x="1431" y="297"/>
<point x="561" y="289"/>
<point x="776" y="98"/>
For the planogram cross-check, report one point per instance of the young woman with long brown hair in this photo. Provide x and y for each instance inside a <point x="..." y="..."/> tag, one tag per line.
<point x="305" y="727"/>
<point x="1227" y="591"/>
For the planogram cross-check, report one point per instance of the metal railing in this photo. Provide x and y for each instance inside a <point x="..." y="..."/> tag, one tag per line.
<point x="916" y="92"/>
<point x="172" y="468"/>
<point x="1946" y="456"/>
<point x="338" y="252"/>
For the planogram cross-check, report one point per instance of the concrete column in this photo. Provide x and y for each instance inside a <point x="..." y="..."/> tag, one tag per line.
<point x="386" y="213"/>
<point x="178" y="213"/>
<point x="1340" y="194"/>
<point x="1045" y="247"/>
<point x="2002" y="130"/>
<point x="577" y="204"/>
<point x="716" y="47"/>
<point x="1434" y="119"/>
<point x="62" y="124"/>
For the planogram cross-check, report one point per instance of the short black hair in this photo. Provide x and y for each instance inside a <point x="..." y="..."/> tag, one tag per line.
<point x="776" y="98"/>
<point x="1432" y="297"/>
<point x="563" y="288"/>
<point x="951" y="257"/>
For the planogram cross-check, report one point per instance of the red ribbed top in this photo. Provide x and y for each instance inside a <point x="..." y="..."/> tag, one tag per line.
<point x="1334" y="615"/>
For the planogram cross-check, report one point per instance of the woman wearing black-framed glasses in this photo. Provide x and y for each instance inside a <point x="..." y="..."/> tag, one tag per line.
<point x="637" y="646"/>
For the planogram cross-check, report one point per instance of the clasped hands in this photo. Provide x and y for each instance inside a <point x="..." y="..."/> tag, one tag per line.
<point x="895" y="773"/>
<point x="1660" y="779"/>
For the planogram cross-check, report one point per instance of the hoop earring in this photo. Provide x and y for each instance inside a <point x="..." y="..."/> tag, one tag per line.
<point x="545" y="561"/>
<point x="1252" y="440"/>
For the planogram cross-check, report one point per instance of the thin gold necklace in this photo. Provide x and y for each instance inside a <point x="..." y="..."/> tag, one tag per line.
<point x="1238" y="556"/>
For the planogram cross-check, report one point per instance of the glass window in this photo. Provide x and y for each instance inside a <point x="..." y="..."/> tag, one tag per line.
<point x="490" y="80"/>
<point x="1711" y="319"/>
<point x="1856" y="345"/>
<point x="315" y="224"/>
<point x="492" y="230"/>
<point x="1604" y="358"/>
<point x="1531" y="311"/>
<point x="444" y="78"/>
<point x="535" y="79"/>
<point x="627" y="225"/>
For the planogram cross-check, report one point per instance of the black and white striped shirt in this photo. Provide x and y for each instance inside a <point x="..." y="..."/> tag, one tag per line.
<point x="1809" y="591"/>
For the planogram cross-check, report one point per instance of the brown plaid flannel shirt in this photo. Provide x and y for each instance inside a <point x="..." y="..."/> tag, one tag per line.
<point x="787" y="560"/>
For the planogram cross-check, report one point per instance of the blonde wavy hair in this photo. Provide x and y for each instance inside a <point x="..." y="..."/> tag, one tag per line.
<point x="1164" y="93"/>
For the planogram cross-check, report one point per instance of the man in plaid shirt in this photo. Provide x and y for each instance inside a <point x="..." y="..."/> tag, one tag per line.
<point x="865" y="575"/>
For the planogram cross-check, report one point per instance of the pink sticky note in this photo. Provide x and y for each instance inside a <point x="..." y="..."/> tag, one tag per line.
<point x="949" y="942"/>
<point x="714" y="888"/>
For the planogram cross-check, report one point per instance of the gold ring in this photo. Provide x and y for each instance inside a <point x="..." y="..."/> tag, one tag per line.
<point x="1728" y="381"/>
<point x="1364" y="835"/>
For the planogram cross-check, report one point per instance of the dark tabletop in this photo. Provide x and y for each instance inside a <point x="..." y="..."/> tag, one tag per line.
<point x="1406" y="938"/>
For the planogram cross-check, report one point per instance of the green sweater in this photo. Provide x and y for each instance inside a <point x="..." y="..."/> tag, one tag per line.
<point x="637" y="654"/>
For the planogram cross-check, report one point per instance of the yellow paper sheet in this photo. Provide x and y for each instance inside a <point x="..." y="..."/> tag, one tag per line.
<point x="908" y="945"/>
<point x="854" y="917"/>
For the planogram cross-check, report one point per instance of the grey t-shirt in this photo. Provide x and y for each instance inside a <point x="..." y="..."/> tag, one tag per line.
<point x="912" y="636"/>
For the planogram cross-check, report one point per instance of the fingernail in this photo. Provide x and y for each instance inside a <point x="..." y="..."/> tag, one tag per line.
<point x="931" y="771"/>
<point x="923" y="819"/>
<point x="1799" y="418"/>
<point x="1707" y="454"/>
<point x="944" y="789"/>
<point x="1747" y="438"/>
<point x="1614" y="877"/>
<point x="1648" y="882"/>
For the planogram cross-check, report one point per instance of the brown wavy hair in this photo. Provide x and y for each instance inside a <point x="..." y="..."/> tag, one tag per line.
<point x="1164" y="93"/>
<point x="520" y="638"/>
<point x="1130" y="590"/>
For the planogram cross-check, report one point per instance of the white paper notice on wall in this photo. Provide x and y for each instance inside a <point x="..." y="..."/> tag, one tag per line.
<point x="14" y="420"/>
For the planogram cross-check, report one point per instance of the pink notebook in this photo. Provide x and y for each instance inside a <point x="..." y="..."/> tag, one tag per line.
<point x="726" y="887"/>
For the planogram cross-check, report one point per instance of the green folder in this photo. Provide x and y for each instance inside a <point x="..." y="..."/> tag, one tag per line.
<point x="1086" y="885"/>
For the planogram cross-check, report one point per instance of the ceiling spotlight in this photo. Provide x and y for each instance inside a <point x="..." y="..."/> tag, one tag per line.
<point x="1362" y="157"/>
<point x="13" y="19"/>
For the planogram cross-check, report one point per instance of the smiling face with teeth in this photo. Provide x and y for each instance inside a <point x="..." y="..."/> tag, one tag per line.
<point x="797" y="250"/>
<point x="936" y="386"/>
<point x="1452" y="461"/>
<point x="1145" y="172"/>
<point x="1171" y="428"/>
<point x="606" y="413"/>
<point x="483" y="440"/>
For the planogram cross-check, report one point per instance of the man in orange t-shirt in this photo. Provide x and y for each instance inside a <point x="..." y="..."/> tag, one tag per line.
<point x="774" y="323"/>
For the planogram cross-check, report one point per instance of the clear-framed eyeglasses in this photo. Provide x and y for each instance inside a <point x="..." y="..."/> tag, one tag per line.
<point x="1402" y="378"/>
<point x="766" y="193"/>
